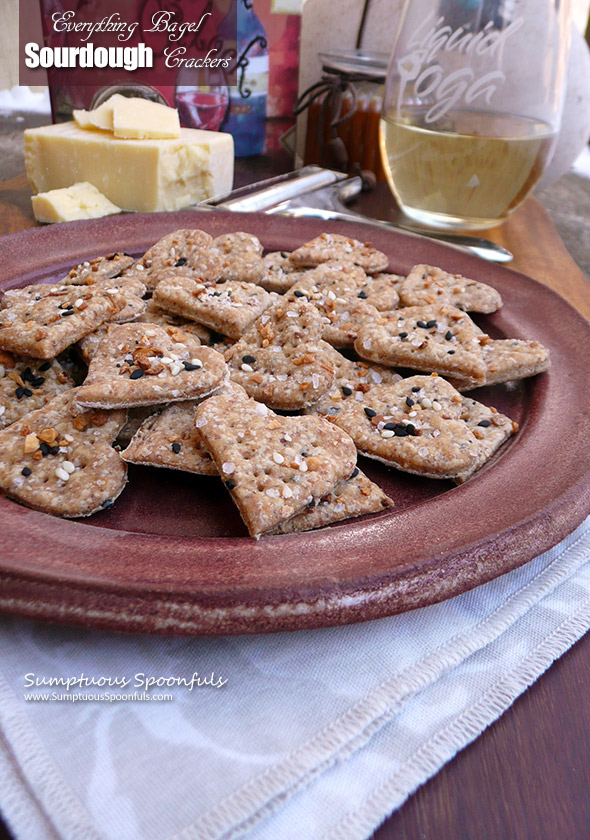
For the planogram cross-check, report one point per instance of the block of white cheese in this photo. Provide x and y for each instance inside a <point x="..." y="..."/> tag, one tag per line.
<point x="142" y="175"/>
<point x="69" y="204"/>
<point x="142" y="119"/>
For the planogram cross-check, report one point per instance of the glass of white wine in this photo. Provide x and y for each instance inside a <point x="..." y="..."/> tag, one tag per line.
<point x="472" y="106"/>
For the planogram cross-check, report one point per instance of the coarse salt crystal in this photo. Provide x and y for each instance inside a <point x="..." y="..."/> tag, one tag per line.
<point x="287" y="492"/>
<point x="261" y="409"/>
<point x="200" y="422"/>
<point x="281" y="377"/>
<point x="376" y="377"/>
<point x="315" y="381"/>
<point x="273" y="493"/>
<point x="436" y="433"/>
<point x="2" y="410"/>
<point x="291" y="314"/>
<point x="339" y="508"/>
<point x="228" y="467"/>
<point x="265" y="319"/>
<point x="303" y="467"/>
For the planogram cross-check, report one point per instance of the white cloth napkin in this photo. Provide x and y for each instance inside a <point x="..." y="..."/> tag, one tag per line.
<point x="317" y="734"/>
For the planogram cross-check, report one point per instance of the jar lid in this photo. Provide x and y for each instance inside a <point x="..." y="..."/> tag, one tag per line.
<point x="373" y="65"/>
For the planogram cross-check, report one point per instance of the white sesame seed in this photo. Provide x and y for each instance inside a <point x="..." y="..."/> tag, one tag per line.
<point x="287" y="492"/>
<point x="197" y="362"/>
<point x="69" y="438"/>
<point x="426" y="403"/>
<point x="303" y="467"/>
<point x="288" y="437"/>
<point x="247" y="368"/>
<point x="436" y="405"/>
<point x="62" y="474"/>
<point x="69" y="467"/>
<point x="176" y="368"/>
<point x="139" y="267"/>
<point x="228" y="468"/>
<point x="412" y="413"/>
<point x="387" y="433"/>
<point x="78" y="303"/>
<point x="278" y="458"/>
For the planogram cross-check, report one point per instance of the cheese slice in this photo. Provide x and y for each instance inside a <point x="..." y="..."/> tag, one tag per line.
<point x="142" y="119"/>
<point x="101" y="117"/>
<point x="69" y="204"/>
<point x="142" y="175"/>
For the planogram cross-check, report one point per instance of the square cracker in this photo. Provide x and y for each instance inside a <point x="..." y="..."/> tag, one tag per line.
<point x="142" y="364"/>
<point x="186" y="248"/>
<point x="43" y="324"/>
<point x="27" y="384"/>
<point x="61" y="464"/>
<point x="280" y="360"/>
<point x="273" y="466"/>
<point x="279" y="272"/>
<point x="241" y="254"/>
<point x="230" y="308"/>
<point x="490" y="428"/>
<point x="440" y="339"/>
<point x="341" y="280"/>
<point x="357" y="496"/>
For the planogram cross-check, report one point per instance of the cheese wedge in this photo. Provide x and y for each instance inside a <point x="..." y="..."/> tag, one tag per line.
<point x="141" y="175"/>
<point x="69" y="204"/>
<point x="142" y="119"/>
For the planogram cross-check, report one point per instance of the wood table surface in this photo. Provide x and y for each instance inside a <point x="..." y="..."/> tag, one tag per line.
<point x="527" y="777"/>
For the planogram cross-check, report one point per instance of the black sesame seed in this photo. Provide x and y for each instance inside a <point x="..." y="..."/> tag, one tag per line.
<point x="297" y="293"/>
<point x="346" y="390"/>
<point x="45" y="366"/>
<point x="355" y="472"/>
<point x="403" y="335"/>
<point x="411" y="429"/>
<point x="181" y="261"/>
<point x="26" y="471"/>
<point x="230" y="484"/>
<point x="67" y="312"/>
<point x="389" y="426"/>
<point x="448" y="335"/>
<point x="190" y="366"/>
<point x="137" y="374"/>
<point x="27" y="375"/>
<point x="111" y="256"/>
<point x="401" y="431"/>
<point x="176" y="448"/>
<point x="27" y="392"/>
<point x="422" y="324"/>
<point x="311" y="504"/>
<point x="248" y="359"/>
<point x="107" y="504"/>
<point x="370" y="412"/>
<point x="484" y="423"/>
<point x="450" y="352"/>
<point x="54" y="450"/>
<point x="125" y="254"/>
<point x="20" y="392"/>
<point x="362" y="294"/>
<point x="45" y="448"/>
<point x="431" y="323"/>
<point x="409" y="402"/>
<point x="36" y="383"/>
<point x="416" y="388"/>
<point x="284" y="255"/>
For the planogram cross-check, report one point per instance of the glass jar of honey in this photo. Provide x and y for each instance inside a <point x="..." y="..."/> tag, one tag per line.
<point x="343" y="112"/>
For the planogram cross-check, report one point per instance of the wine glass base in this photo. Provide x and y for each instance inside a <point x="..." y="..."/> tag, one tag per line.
<point x="446" y="221"/>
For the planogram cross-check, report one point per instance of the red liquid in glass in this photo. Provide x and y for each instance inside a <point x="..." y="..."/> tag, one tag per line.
<point x="201" y="108"/>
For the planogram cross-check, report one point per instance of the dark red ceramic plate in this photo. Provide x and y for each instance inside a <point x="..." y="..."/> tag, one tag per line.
<point x="172" y="556"/>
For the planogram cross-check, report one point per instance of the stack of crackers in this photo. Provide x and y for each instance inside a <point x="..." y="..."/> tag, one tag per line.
<point x="271" y="372"/>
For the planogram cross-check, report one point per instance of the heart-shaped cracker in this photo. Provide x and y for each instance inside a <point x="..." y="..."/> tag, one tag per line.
<point x="490" y="429"/>
<point x="273" y="466"/>
<point x="279" y="360"/>
<point x="342" y="281"/>
<point x="352" y="380"/>
<point x="60" y="464"/>
<point x="44" y="323"/>
<point x="414" y="425"/>
<point x="188" y="249"/>
<point x="241" y="253"/>
<point x="429" y="285"/>
<point x="440" y="339"/>
<point x="230" y="308"/>
<point x="27" y="384"/>
<point x="279" y="272"/>
<point x="142" y="364"/>
<point x="334" y="246"/>
<point x="357" y="496"/>
<point x="169" y="438"/>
